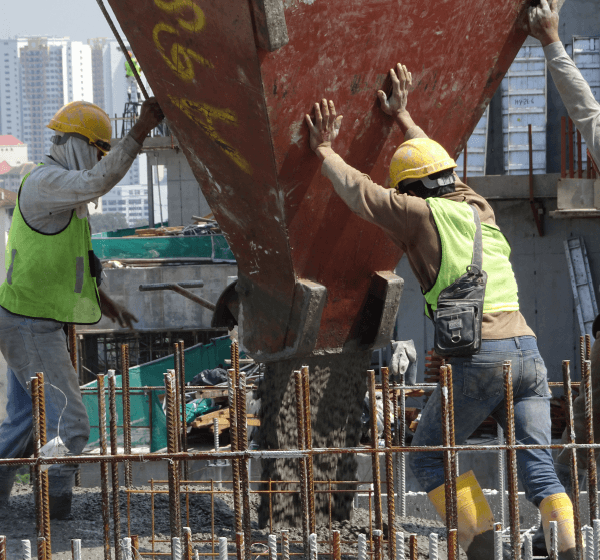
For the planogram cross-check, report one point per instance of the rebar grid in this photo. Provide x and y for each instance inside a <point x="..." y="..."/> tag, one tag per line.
<point x="241" y="454"/>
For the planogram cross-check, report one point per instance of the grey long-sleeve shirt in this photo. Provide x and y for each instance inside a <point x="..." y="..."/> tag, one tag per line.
<point x="51" y="192"/>
<point x="577" y="96"/>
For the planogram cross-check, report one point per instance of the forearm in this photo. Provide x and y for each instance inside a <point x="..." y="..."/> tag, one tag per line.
<point x="404" y="121"/>
<point x="577" y="96"/>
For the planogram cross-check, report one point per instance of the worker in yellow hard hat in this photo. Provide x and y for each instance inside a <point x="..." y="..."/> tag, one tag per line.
<point x="53" y="278"/>
<point x="461" y="261"/>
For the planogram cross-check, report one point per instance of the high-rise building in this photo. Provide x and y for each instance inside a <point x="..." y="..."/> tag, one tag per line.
<point x="40" y="75"/>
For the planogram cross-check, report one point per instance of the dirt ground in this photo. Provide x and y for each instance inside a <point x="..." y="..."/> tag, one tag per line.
<point x="86" y="524"/>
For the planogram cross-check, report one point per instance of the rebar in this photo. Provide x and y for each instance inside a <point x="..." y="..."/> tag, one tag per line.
<point x="312" y="523"/>
<point x="233" y="431"/>
<point x="303" y="464"/>
<point x="222" y="548"/>
<point x="399" y="545"/>
<point x="45" y="484"/>
<point x="73" y="346"/>
<point x="553" y="552"/>
<point x="400" y="440"/>
<point x="244" y="466"/>
<point x="513" y="496"/>
<point x="313" y="547"/>
<point x="41" y="548"/>
<point x="135" y="546"/>
<point x="362" y="547"/>
<point x="187" y="543"/>
<point x="125" y="396"/>
<point x="596" y="529"/>
<point x="414" y="549"/>
<point x="453" y="544"/>
<point x="572" y="453"/>
<point x="389" y="462"/>
<point x="26" y="549"/>
<point x="176" y="549"/>
<point x="588" y="535"/>
<point x="337" y="547"/>
<point x="453" y="453"/>
<point x="527" y="547"/>
<point x="239" y="545"/>
<point x="589" y="424"/>
<point x="183" y="406"/>
<point x="433" y="546"/>
<point x="179" y="404"/>
<point x="104" y="466"/>
<point x="173" y="467"/>
<point x="501" y="475"/>
<point x="375" y="455"/>
<point x="498" y="552"/>
<point x="2" y="547"/>
<point x="285" y="545"/>
<point x="126" y="546"/>
<point x="378" y="544"/>
<point x="114" y="467"/>
<point x="449" y="497"/>
<point x="37" y="470"/>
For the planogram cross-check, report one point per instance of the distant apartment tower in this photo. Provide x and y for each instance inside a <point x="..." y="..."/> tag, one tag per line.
<point x="131" y="200"/>
<point x="11" y="121"/>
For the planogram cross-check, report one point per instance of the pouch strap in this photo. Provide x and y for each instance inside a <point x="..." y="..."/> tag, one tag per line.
<point x="477" y="259"/>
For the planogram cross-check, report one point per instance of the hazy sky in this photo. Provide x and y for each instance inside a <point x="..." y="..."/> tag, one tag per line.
<point x="78" y="19"/>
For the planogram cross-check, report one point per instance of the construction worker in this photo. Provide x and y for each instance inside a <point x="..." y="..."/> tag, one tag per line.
<point x="426" y="212"/>
<point x="584" y="110"/>
<point x="52" y="278"/>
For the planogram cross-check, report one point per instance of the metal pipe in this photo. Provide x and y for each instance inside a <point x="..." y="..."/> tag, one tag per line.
<point x="303" y="466"/>
<point x="112" y="400"/>
<point x="389" y="463"/>
<point x="126" y="400"/>
<point x="572" y="454"/>
<point x="180" y="290"/>
<point x="513" y="495"/>
<point x="375" y="455"/>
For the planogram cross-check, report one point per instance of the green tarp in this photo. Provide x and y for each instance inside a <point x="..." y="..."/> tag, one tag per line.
<point x="148" y="422"/>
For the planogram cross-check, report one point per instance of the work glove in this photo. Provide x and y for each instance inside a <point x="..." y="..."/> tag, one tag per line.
<point x="404" y="360"/>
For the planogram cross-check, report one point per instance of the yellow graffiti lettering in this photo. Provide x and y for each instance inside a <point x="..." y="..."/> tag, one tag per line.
<point x="181" y="61"/>
<point x="204" y="115"/>
<point x="178" y="6"/>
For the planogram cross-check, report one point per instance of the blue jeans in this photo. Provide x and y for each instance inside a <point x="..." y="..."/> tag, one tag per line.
<point x="30" y="346"/>
<point x="478" y="392"/>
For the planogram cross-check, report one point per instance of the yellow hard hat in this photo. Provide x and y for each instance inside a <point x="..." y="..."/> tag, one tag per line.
<point x="418" y="158"/>
<point x="84" y="119"/>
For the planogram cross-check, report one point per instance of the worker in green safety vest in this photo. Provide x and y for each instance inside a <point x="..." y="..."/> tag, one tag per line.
<point x="53" y="278"/>
<point x="430" y="214"/>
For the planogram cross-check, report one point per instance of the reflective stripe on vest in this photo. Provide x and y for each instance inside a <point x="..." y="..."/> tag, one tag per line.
<point x="454" y="221"/>
<point x="48" y="275"/>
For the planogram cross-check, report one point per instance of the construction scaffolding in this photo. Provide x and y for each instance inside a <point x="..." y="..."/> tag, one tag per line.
<point x="311" y="537"/>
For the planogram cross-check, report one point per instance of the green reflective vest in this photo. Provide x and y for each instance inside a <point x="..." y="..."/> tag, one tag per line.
<point x="454" y="221"/>
<point x="48" y="275"/>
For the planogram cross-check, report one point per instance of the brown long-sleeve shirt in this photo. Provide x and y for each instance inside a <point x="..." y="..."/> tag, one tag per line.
<point x="408" y="221"/>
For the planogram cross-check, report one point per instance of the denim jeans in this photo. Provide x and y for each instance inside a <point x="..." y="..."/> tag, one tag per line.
<point x="30" y="346"/>
<point x="478" y="384"/>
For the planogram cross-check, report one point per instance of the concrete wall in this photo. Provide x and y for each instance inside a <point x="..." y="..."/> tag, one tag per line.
<point x="540" y="266"/>
<point x="165" y="309"/>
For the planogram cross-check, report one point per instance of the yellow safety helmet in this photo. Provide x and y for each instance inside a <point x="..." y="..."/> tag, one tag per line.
<point x="84" y="119"/>
<point x="418" y="158"/>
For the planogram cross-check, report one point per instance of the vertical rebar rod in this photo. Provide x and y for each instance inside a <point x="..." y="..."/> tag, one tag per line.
<point x="45" y="483"/>
<point x="337" y="547"/>
<point x="433" y="546"/>
<point x="513" y="495"/>
<point x="588" y="536"/>
<point x="41" y="548"/>
<point x="114" y="467"/>
<point x="572" y="453"/>
<point x="402" y="443"/>
<point x="188" y="552"/>
<point x="285" y="545"/>
<point x="173" y="466"/>
<point x="527" y="547"/>
<point x="235" y="465"/>
<point x="272" y="545"/>
<point x="244" y="466"/>
<point x="302" y="463"/>
<point x="498" y="552"/>
<point x="313" y="547"/>
<point x="400" y="545"/>
<point x="501" y="476"/>
<point x="222" y="548"/>
<point x="125" y="396"/>
<point x="183" y="406"/>
<point x="76" y="549"/>
<point x="312" y="523"/>
<point x="26" y="549"/>
<point x="588" y="346"/>
<point x="127" y="551"/>
<point x="239" y="545"/>
<point x="414" y="548"/>
<point x="2" y="547"/>
<point x="448" y="475"/>
<point x="176" y="550"/>
<point x="589" y="424"/>
<point x="375" y="456"/>
<point x="453" y="544"/>
<point x="389" y="462"/>
<point x="179" y="404"/>
<point x="362" y="547"/>
<point x="377" y="541"/>
<point x="104" y="466"/>
<point x="37" y="471"/>
<point x="453" y="454"/>
<point x="135" y="546"/>
<point x="596" y="529"/>
<point x="553" y="552"/>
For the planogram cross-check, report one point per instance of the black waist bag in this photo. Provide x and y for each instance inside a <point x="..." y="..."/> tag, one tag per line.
<point x="457" y="320"/>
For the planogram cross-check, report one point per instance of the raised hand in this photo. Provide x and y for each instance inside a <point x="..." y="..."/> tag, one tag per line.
<point x="543" y="22"/>
<point x="401" y="82"/>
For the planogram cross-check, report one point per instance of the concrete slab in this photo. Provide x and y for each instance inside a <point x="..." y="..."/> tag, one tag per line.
<point x="575" y="194"/>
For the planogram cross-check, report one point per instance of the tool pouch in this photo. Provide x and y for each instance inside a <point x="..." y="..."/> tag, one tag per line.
<point x="457" y="319"/>
<point x="95" y="267"/>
